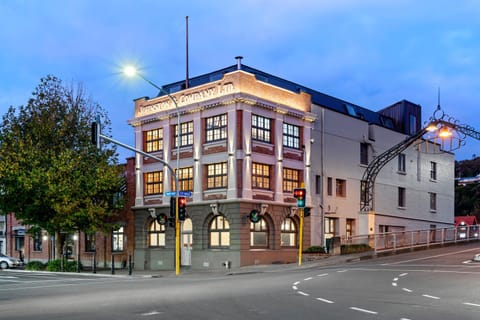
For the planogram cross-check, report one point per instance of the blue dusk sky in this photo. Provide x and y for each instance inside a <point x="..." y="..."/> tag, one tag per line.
<point x="372" y="53"/>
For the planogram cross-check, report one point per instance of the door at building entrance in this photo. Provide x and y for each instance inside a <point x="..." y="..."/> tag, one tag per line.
<point x="186" y="245"/>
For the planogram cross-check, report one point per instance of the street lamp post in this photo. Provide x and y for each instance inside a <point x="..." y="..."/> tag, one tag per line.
<point x="131" y="71"/>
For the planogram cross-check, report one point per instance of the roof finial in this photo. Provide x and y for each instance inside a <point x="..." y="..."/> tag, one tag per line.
<point x="239" y="62"/>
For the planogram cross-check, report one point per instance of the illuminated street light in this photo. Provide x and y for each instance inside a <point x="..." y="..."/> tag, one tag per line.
<point x="131" y="71"/>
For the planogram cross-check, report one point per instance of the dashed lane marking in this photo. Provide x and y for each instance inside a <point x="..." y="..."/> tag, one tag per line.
<point x="303" y="293"/>
<point x="430" y="297"/>
<point x="363" y="310"/>
<point x="324" y="300"/>
<point x="471" y="304"/>
<point x="407" y="290"/>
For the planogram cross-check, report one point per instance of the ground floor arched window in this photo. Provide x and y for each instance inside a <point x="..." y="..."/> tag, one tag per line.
<point x="288" y="233"/>
<point x="219" y="232"/>
<point x="259" y="234"/>
<point x="156" y="234"/>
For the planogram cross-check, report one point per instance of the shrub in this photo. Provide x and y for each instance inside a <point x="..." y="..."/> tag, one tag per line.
<point x="354" y="248"/>
<point x="315" y="249"/>
<point x="69" y="266"/>
<point x="35" y="265"/>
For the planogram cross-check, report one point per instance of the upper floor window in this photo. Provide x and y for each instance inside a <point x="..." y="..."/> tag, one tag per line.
<point x="261" y="128"/>
<point x="433" y="201"/>
<point x="288" y="233"/>
<point x="291" y="178"/>
<point x="330" y="186"/>
<point x="291" y="136"/>
<point x="364" y="153"/>
<point x="260" y="176"/>
<point x="186" y="134"/>
<point x="401" y="197"/>
<point x="217" y="175"/>
<point x="259" y="234"/>
<point x="216" y="128"/>
<point x="118" y="239"/>
<point x="433" y="170"/>
<point x="156" y="234"/>
<point x="402" y="163"/>
<point x="219" y="232"/>
<point x="153" y="182"/>
<point x="153" y="140"/>
<point x="341" y="188"/>
<point x="185" y="178"/>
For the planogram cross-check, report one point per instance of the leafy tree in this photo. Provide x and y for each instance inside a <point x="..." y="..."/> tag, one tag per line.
<point x="467" y="198"/>
<point x="51" y="176"/>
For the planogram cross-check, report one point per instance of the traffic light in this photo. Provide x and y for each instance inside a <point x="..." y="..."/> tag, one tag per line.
<point x="95" y="134"/>
<point x="306" y="212"/>
<point x="182" y="208"/>
<point x="173" y="206"/>
<point x="299" y="194"/>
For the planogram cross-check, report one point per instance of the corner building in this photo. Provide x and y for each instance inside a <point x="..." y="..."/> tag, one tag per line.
<point x="247" y="139"/>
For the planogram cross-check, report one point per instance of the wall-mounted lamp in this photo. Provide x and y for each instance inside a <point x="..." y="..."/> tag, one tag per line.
<point x="214" y="208"/>
<point x="152" y="212"/>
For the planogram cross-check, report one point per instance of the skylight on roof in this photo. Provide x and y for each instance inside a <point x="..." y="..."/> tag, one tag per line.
<point x="351" y="110"/>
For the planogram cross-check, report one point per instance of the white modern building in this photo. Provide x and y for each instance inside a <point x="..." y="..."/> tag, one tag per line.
<point x="247" y="139"/>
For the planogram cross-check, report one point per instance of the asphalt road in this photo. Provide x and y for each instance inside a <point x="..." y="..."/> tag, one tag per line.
<point x="432" y="284"/>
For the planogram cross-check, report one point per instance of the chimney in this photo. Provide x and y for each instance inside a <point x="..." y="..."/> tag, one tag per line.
<point x="239" y="62"/>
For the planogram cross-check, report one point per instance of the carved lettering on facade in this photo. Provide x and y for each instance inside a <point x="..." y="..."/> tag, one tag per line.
<point x="199" y="95"/>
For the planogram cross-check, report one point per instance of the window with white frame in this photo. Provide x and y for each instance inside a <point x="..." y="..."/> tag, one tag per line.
<point x="186" y="134"/>
<point x="401" y="163"/>
<point x="118" y="239"/>
<point x="261" y="128"/>
<point x="291" y="136"/>
<point x="219" y="232"/>
<point x="156" y="234"/>
<point x="216" y="128"/>
<point x="401" y="197"/>
<point x="288" y="236"/>
<point x="259" y="234"/>
<point x="433" y="201"/>
<point x="433" y="170"/>
<point x="261" y="176"/>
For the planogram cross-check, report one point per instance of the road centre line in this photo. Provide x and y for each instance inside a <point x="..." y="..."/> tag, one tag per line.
<point x="403" y="274"/>
<point x="303" y="293"/>
<point x="322" y="275"/>
<point x="363" y="310"/>
<point x="306" y="279"/>
<point x="407" y="290"/>
<point x="471" y="304"/>
<point x="430" y="297"/>
<point x="324" y="300"/>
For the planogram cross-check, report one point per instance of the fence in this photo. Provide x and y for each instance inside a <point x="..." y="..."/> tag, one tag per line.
<point x="393" y="241"/>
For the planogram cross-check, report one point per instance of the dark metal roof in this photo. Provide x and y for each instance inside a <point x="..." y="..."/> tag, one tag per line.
<point x="318" y="98"/>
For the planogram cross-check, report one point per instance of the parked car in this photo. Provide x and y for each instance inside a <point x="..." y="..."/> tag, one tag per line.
<point x="9" y="262"/>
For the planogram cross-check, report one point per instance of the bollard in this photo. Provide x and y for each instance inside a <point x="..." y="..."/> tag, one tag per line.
<point x="95" y="262"/>
<point x="113" y="264"/>
<point x="129" y="265"/>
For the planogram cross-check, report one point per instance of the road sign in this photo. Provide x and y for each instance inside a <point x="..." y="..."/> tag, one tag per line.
<point x="171" y="193"/>
<point x="185" y="193"/>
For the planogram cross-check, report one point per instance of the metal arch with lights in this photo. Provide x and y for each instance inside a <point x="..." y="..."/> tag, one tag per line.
<point x="131" y="71"/>
<point x="441" y="125"/>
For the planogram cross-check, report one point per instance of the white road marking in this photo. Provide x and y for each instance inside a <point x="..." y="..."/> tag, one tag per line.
<point x="306" y="279"/>
<point x="363" y="310"/>
<point x="296" y="283"/>
<point x="340" y="271"/>
<point x="430" y="297"/>
<point x="395" y="279"/>
<point x="294" y="288"/>
<point x="325" y="300"/>
<point x="407" y="290"/>
<point x="151" y="313"/>
<point x="322" y="275"/>
<point x="430" y="257"/>
<point x="404" y="319"/>
<point x="394" y="284"/>
<point x="403" y="275"/>
<point x="471" y="304"/>
<point x="303" y="293"/>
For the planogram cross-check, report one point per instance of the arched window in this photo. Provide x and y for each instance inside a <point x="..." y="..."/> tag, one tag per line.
<point x="187" y="233"/>
<point x="156" y="234"/>
<point x="259" y="234"/>
<point x="288" y="233"/>
<point x="219" y="232"/>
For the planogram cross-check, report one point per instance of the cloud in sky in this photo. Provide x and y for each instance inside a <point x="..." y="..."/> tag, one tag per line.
<point x="372" y="53"/>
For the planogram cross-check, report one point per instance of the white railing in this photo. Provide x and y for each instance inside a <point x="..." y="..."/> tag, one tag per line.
<point x="392" y="241"/>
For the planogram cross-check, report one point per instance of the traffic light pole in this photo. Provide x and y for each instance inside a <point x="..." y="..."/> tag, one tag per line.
<point x="177" y="222"/>
<point x="300" y="241"/>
